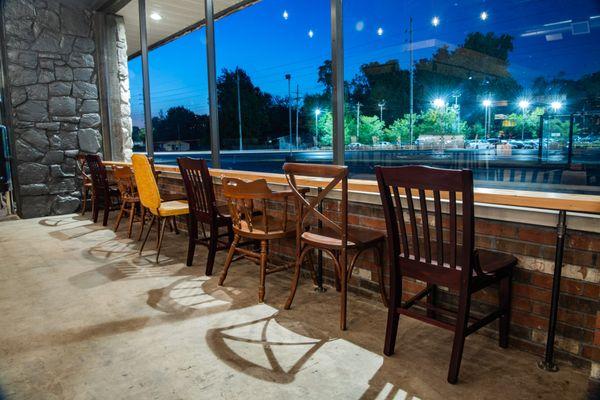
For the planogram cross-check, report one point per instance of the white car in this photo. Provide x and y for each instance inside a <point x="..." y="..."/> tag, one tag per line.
<point x="480" y="144"/>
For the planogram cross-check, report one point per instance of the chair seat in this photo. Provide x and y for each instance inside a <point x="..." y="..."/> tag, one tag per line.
<point x="492" y="262"/>
<point x="172" y="208"/>
<point x="328" y="238"/>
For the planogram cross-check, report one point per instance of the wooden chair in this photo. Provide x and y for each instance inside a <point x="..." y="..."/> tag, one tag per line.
<point x="251" y="209"/>
<point x="129" y="198"/>
<point x="151" y="200"/>
<point x="86" y="182"/>
<point x="335" y="238"/>
<point x="435" y="256"/>
<point x="203" y="210"/>
<point x="101" y="189"/>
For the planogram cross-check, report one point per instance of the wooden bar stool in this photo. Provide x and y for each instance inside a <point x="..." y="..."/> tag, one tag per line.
<point x="151" y="200"/>
<point x="101" y="188"/>
<point x="433" y="257"/>
<point x="129" y="198"/>
<point x="251" y="210"/>
<point x="335" y="238"/>
<point x="204" y="211"/>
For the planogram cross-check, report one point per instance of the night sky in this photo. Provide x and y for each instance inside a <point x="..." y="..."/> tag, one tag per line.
<point x="259" y="40"/>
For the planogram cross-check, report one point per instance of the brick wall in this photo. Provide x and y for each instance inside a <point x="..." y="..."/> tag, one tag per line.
<point x="578" y="328"/>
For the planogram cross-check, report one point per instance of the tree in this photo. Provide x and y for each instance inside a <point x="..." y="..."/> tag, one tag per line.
<point x="325" y="76"/>
<point x="180" y="123"/>
<point x="490" y="44"/>
<point x="370" y="130"/>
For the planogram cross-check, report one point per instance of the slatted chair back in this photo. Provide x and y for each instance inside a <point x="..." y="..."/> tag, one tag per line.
<point x="199" y="188"/>
<point x="252" y="205"/>
<point x="334" y="176"/>
<point x="125" y="181"/>
<point x="420" y="246"/>
<point x="97" y="172"/>
<point x="146" y="183"/>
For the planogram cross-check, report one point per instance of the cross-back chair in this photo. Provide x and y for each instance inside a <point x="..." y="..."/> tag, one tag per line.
<point x="86" y="182"/>
<point x="150" y="198"/>
<point x="203" y="211"/>
<point x="333" y="236"/>
<point x="130" y="200"/>
<point x="255" y="217"/>
<point x="427" y="248"/>
<point x="101" y="188"/>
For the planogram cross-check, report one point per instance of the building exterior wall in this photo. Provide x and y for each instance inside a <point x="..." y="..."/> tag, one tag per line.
<point x="578" y="328"/>
<point x="52" y="83"/>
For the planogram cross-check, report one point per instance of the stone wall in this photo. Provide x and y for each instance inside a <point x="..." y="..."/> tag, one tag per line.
<point x="121" y="126"/>
<point x="52" y="82"/>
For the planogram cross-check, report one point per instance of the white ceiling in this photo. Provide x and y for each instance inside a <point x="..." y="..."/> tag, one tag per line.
<point x="176" y="15"/>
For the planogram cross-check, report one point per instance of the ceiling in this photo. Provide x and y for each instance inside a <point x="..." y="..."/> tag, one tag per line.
<point x="177" y="16"/>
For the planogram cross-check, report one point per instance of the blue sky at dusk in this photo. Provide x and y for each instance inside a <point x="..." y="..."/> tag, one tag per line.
<point x="259" y="40"/>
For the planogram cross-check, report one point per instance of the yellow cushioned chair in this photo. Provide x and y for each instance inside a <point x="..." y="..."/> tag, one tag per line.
<point x="150" y="199"/>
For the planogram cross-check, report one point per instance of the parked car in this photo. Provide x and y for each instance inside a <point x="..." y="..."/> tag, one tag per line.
<point x="355" y="146"/>
<point x="480" y="144"/>
<point x="516" y="144"/>
<point x="383" y="145"/>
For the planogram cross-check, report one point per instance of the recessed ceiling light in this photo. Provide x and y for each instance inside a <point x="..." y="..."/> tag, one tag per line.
<point x="379" y="31"/>
<point x="155" y="16"/>
<point x="311" y="33"/>
<point x="285" y="14"/>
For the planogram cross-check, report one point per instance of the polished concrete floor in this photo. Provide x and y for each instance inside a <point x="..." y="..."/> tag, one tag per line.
<point x="82" y="316"/>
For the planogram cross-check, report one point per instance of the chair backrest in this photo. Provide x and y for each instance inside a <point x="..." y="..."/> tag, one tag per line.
<point x="422" y="257"/>
<point x="125" y="181"/>
<point x="81" y="165"/>
<point x="250" y="205"/>
<point x="97" y="172"/>
<point x="145" y="182"/>
<point x="334" y="175"/>
<point x="199" y="188"/>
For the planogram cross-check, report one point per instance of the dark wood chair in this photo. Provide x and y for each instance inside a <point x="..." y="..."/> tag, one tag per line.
<point x="101" y="188"/>
<point x="204" y="211"/>
<point x="435" y="256"/>
<point x="254" y="218"/>
<point x="86" y="182"/>
<point x="130" y="201"/>
<point x="333" y="236"/>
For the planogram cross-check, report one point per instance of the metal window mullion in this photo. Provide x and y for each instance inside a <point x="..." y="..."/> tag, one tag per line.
<point x="337" y="71"/>
<point x="146" y="78"/>
<point x="212" y="84"/>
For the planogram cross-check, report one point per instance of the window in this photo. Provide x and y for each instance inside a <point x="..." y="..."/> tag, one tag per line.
<point x="274" y="84"/>
<point x="509" y="89"/>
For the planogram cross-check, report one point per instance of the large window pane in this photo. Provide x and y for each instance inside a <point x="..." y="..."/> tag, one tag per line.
<point x="501" y="87"/>
<point x="274" y="84"/>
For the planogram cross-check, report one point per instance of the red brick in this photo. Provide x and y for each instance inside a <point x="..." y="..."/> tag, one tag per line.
<point x="529" y="320"/>
<point x="531" y="292"/>
<point x="537" y="235"/>
<point x="591" y="353"/>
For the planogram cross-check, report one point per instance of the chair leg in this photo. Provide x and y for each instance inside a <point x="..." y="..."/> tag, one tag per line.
<point x="212" y="249"/>
<point x="192" y="238"/>
<point x="84" y="195"/>
<point x="391" y="329"/>
<point x="120" y="216"/>
<point x="143" y="221"/>
<point x="161" y="234"/>
<point x="462" y="318"/>
<point x="379" y="259"/>
<point x="95" y="209"/>
<point x="505" y="300"/>
<point x="301" y="253"/>
<point x="147" y="233"/>
<point x="263" y="270"/>
<point x="431" y="296"/>
<point x="131" y="217"/>
<point x="230" y="254"/>
<point x="106" y="210"/>
<point x="344" y="291"/>
<point x="175" y="228"/>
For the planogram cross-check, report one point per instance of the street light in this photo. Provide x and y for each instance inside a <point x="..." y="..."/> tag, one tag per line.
<point x="523" y="105"/>
<point x="556" y="106"/>
<point x="435" y="21"/>
<point x="317" y="113"/>
<point x="487" y="104"/>
<point x="285" y="14"/>
<point x="311" y="33"/>
<point x="438" y="103"/>
<point x="379" y="31"/>
<point x="288" y="77"/>
<point x="381" y="106"/>
<point x="483" y="15"/>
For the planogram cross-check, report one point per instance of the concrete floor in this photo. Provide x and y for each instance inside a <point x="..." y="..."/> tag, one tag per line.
<point x="84" y="317"/>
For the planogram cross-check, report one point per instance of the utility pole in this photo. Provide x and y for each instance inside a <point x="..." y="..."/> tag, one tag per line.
<point x="239" y="104"/>
<point x="412" y="82"/>
<point x="297" y="110"/>
<point x="381" y="106"/>
<point x="357" y="118"/>
<point x="289" y="79"/>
